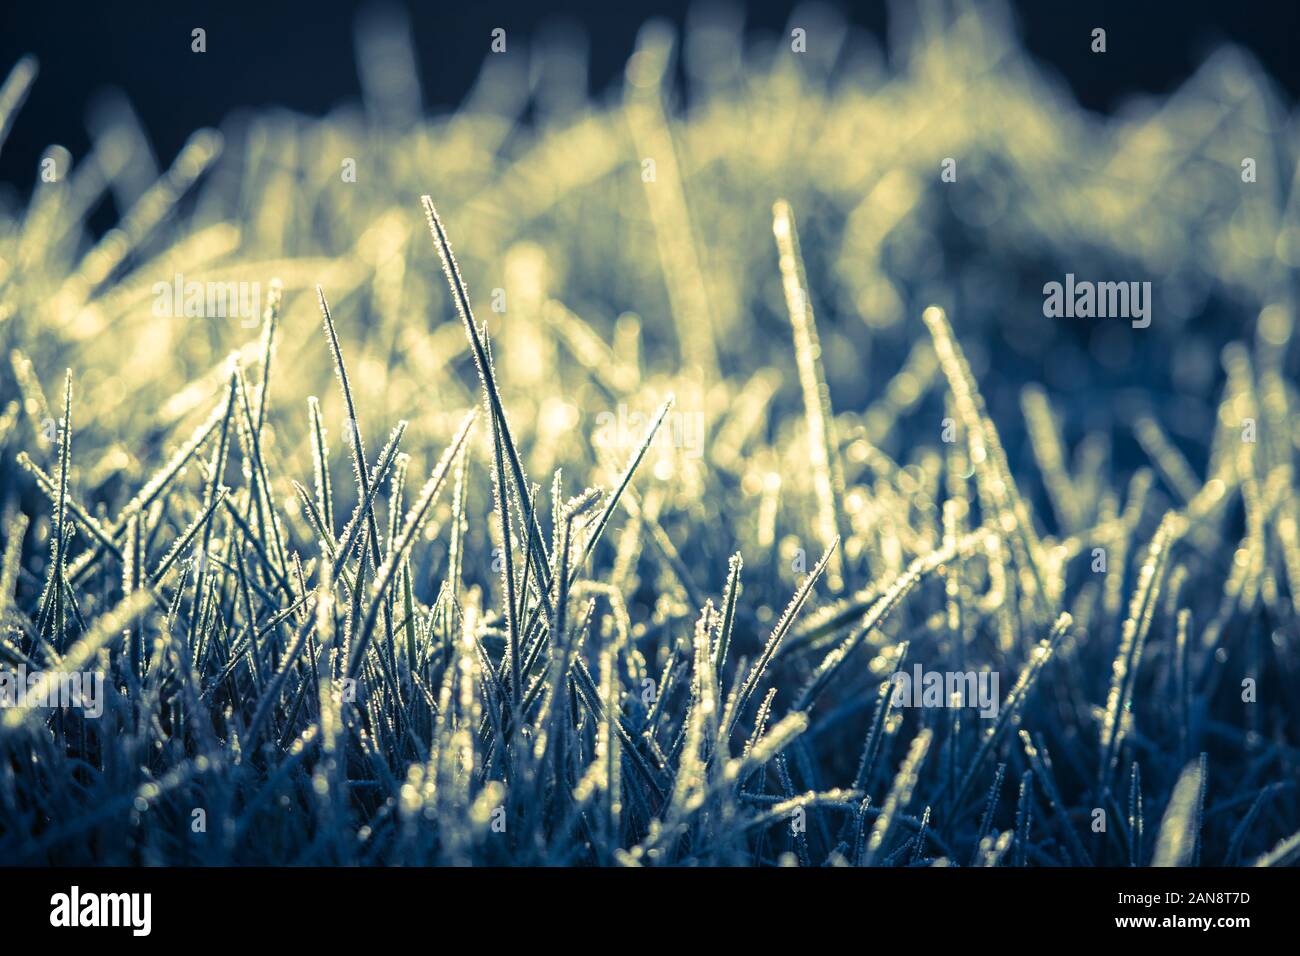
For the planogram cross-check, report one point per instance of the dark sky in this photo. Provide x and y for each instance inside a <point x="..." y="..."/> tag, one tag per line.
<point x="300" y="55"/>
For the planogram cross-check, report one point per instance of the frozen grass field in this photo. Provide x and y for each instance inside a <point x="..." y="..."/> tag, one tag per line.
<point x="561" y="480"/>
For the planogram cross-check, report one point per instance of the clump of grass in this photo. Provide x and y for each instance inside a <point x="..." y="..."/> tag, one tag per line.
<point x="639" y="665"/>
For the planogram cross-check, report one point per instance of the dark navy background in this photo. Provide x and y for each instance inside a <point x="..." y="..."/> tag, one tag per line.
<point x="300" y="55"/>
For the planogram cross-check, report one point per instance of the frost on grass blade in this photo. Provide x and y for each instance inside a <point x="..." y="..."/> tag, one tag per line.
<point x="1180" y="829"/>
<point x="824" y="457"/>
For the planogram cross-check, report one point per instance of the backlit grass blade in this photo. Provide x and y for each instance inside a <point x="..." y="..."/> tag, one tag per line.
<point x="824" y="456"/>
